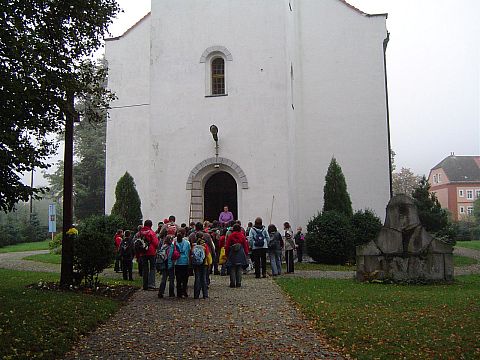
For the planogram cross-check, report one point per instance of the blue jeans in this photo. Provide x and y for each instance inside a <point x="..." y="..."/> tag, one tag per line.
<point x="148" y="271"/>
<point x="170" y="274"/>
<point x="276" y="262"/>
<point x="200" y="281"/>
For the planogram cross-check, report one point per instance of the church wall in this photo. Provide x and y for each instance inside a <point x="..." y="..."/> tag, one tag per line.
<point x="341" y="110"/>
<point x="253" y="111"/>
<point x="127" y="129"/>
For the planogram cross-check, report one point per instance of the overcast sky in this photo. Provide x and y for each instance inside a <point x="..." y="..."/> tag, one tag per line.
<point x="433" y="64"/>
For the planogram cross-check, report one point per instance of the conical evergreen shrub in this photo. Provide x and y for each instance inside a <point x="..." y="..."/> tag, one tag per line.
<point x="335" y="195"/>
<point x="127" y="202"/>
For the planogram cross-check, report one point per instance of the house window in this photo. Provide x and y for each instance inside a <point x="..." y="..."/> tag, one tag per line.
<point x="462" y="210"/>
<point x="435" y="179"/>
<point x="218" y="76"/>
<point x="477" y="194"/>
<point x="470" y="210"/>
<point x="470" y="194"/>
<point x="439" y="178"/>
<point x="460" y="193"/>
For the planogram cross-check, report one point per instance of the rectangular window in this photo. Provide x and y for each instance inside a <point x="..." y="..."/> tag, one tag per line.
<point x="439" y="178"/>
<point x="460" y="193"/>
<point x="470" y="210"/>
<point x="470" y="194"/>
<point x="435" y="179"/>
<point x="218" y="76"/>
<point x="477" y="194"/>
<point x="462" y="210"/>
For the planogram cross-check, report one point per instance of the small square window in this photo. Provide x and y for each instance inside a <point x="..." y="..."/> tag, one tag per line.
<point x="470" y="194"/>
<point x="460" y="193"/>
<point x="470" y="210"/>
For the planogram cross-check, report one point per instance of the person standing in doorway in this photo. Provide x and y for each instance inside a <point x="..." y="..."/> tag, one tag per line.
<point x="225" y="216"/>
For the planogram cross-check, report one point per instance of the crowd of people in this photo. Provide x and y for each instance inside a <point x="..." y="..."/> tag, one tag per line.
<point x="223" y="247"/>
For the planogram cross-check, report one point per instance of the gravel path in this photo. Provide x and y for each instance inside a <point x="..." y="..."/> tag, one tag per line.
<point x="470" y="269"/>
<point x="256" y="321"/>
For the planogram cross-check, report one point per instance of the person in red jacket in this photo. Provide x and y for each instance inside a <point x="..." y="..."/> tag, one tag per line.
<point x="236" y="250"/>
<point x="148" y="259"/>
<point x="118" y="239"/>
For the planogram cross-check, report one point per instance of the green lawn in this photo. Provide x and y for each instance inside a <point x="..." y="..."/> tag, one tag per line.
<point x="45" y="258"/>
<point x="460" y="261"/>
<point x="322" y="267"/>
<point x="469" y="244"/>
<point x="39" y="245"/>
<point x="377" y="321"/>
<point x="44" y="324"/>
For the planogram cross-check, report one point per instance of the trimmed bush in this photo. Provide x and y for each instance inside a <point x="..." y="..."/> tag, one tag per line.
<point x="366" y="226"/>
<point x="127" y="202"/>
<point x="335" y="194"/>
<point x="94" y="247"/>
<point x="329" y="238"/>
<point x="55" y="245"/>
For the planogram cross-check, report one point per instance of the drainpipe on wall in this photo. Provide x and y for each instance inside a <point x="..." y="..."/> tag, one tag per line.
<point x="385" y="43"/>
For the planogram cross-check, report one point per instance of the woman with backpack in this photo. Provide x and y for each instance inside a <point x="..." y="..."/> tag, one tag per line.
<point x="199" y="263"/>
<point x="181" y="264"/>
<point x="258" y="239"/>
<point x="236" y="249"/>
<point x="289" y="247"/>
<point x="165" y="265"/>
<point x="275" y="246"/>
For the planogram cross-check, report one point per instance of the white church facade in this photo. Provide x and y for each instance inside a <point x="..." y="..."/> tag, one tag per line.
<point x="288" y="85"/>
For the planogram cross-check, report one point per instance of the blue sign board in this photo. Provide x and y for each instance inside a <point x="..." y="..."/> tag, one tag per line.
<point x="52" y="218"/>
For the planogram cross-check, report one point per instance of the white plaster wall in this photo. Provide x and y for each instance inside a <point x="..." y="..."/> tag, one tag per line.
<point x="251" y="119"/>
<point x="127" y="129"/>
<point x="338" y="94"/>
<point x="341" y="110"/>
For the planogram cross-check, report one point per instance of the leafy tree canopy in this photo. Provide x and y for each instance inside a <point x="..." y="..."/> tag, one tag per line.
<point x="404" y="181"/>
<point x="43" y="50"/>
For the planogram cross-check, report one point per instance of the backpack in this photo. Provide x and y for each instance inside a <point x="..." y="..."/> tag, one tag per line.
<point x="176" y="252"/>
<point x="236" y="247"/>
<point x="258" y="238"/>
<point x="171" y="229"/>
<point x="198" y="255"/>
<point x="161" y="258"/>
<point x="274" y="243"/>
<point x="141" y="243"/>
<point x="125" y="247"/>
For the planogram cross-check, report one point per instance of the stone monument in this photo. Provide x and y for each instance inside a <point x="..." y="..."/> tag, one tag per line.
<point x="403" y="250"/>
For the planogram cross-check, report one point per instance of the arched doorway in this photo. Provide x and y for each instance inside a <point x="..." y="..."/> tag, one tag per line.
<point x="220" y="190"/>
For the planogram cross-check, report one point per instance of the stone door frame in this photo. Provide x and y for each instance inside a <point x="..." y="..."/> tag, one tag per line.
<point x="202" y="172"/>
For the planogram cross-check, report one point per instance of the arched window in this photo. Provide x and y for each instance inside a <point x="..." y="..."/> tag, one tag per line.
<point x="218" y="76"/>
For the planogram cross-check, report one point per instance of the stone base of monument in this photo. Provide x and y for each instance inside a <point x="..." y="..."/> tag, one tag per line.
<point x="404" y="251"/>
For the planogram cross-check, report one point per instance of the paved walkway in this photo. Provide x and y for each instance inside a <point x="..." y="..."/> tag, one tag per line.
<point x="256" y="321"/>
<point x="470" y="269"/>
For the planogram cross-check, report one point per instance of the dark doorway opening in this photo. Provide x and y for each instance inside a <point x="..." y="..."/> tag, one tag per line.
<point x="220" y="190"/>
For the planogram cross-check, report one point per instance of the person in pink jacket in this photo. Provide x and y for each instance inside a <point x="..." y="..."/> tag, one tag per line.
<point x="148" y="260"/>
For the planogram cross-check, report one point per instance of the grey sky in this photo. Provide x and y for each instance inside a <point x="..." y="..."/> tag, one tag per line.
<point x="433" y="63"/>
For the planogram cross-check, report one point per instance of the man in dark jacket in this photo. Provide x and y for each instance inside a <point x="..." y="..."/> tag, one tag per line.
<point x="127" y="252"/>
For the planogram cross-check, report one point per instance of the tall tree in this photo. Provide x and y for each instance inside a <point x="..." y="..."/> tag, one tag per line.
<point x="335" y="194"/>
<point x="405" y="181"/>
<point x="127" y="202"/>
<point x="432" y="216"/>
<point x="43" y="47"/>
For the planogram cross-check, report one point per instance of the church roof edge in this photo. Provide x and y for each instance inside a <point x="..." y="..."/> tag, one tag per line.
<point x="129" y="29"/>
<point x="360" y="11"/>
